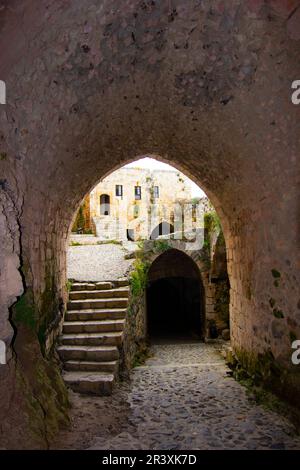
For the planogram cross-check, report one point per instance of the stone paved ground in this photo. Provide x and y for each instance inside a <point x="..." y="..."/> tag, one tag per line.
<point x="182" y="398"/>
<point x="97" y="262"/>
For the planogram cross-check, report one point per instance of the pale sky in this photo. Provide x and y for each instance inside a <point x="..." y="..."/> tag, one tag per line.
<point x="153" y="164"/>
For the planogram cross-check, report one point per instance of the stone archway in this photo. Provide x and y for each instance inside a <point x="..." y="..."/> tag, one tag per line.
<point x="198" y="75"/>
<point x="175" y="297"/>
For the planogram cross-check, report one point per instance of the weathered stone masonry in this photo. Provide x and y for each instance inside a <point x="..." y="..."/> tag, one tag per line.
<point x="204" y="85"/>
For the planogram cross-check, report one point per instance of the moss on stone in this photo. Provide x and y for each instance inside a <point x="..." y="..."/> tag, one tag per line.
<point x="138" y="277"/>
<point x="48" y="306"/>
<point x="264" y="371"/>
<point x="272" y="302"/>
<point x="41" y="384"/>
<point x="24" y="311"/>
<point x="278" y="313"/>
<point x="276" y="274"/>
<point x="141" y="355"/>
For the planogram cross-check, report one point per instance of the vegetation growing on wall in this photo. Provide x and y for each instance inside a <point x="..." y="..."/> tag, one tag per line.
<point x="212" y="223"/>
<point x="160" y="246"/>
<point x="261" y="371"/>
<point x="24" y="311"/>
<point x="79" y="221"/>
<point x="81" y="224"/>
<point x="138" y="277"/>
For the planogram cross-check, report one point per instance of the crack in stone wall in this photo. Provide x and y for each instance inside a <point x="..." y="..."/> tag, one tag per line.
<point x="11" y="285"/>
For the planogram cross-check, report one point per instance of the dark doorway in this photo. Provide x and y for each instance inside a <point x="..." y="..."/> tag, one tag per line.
<point x="175" y="298"/>
<point x="104" y="204"/>
<point x="130" y="234"/>
<point x="164" y="228"/>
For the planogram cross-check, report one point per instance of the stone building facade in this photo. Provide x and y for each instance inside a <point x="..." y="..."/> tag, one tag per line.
<point x="136" y="203"/>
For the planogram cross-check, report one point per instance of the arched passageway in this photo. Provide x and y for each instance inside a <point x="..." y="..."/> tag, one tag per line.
<point x="164" y="228"/>
<point x="175" y="298"/>
<point x="80" y="104"/>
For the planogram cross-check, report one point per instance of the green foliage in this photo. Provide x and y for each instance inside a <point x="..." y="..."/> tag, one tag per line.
<point x="159" y="246"/>
<point x="79" y="223"/>
<point x="69" y="284"/>
<point x="138" y="277"/>
<point x="195" y="200"/>
<point x="75" y="243"/>
<point x="212" y="225"/>
<point x="141" y="244"/>
<point x="212" y="222"/>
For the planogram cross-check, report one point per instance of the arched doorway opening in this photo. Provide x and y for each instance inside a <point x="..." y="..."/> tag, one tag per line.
<point x="104" y="204"/>
<point x="175" y="298"/>
<point x="164" y="228"/>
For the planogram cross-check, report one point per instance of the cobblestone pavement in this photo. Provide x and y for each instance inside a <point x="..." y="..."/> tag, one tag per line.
<point x="183" y="398"/>
<point x="97" y="262"/>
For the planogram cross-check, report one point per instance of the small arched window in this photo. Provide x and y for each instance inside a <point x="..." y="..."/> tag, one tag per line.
<point x="104" y="204"/>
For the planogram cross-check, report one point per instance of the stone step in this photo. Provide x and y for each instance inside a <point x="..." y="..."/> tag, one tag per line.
<point x="103" y="285"/>
<point x="121" y="282"/>
<point x="92" y="366"/>
<point x="88" y="353"/>
<point x="93" y="339"/>
<point x="93" y="326"/>
<point x="121" y="292"/>
<point x="95" y="383"/>
<point x="97" y="304"/>
<point x="91" y="315"/>
<point x="79" y="286"/>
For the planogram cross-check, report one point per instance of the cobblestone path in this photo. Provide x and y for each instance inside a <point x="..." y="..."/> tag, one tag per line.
<point x="183" y="398"/>
<point x="96" y="262"/>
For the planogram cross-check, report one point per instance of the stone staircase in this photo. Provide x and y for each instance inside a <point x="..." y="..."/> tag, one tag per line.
<point x="93" y="334"/>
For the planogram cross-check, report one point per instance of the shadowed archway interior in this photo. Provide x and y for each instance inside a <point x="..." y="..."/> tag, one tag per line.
<point x="175" y="298"/>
